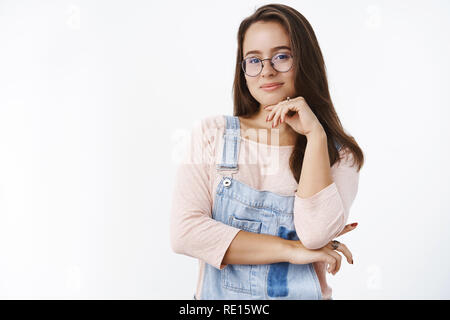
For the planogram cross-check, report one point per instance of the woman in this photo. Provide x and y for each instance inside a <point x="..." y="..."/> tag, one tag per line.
<point x="261" y="223"/>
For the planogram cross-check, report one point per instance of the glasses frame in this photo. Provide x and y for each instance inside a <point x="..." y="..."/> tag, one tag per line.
<point x="262" y="63"/>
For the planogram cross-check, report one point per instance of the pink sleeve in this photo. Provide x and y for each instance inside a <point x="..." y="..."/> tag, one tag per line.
<point x="192" y="230"/>
<point x="321" y="217"/>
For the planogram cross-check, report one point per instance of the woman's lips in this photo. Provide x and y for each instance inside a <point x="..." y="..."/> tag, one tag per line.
<point x="272" y="88"/>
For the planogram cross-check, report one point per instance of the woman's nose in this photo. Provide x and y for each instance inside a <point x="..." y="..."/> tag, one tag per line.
<point x="267" y="68"/>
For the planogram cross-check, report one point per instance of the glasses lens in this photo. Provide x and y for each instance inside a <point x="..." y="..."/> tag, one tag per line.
<point x="282" y="62"/>
<point x="252" y="66"/>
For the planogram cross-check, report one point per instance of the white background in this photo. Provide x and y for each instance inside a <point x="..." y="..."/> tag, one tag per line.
<point x="97" y="96"/>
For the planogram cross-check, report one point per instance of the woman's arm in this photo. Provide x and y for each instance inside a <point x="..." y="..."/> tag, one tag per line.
<point x="193" y="232"/>
<point x="320" y="216"/>
<point x="316" y="172"/>
<point x="322" y="202"/>
<point x="256" y="248"/>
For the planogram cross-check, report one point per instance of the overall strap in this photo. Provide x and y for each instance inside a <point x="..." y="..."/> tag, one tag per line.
<point x="231" y="142"/>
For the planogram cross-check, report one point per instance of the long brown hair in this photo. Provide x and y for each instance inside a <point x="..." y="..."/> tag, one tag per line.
<point x="310" y="83"/>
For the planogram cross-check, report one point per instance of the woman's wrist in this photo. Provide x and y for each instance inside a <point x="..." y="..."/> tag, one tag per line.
<point x="317" y="133"/>
<point x="282" y="250"/>
<point x="287" y="249"/>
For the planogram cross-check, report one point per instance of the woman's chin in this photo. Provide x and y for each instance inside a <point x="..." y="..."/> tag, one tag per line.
<point x="273" y="100"/>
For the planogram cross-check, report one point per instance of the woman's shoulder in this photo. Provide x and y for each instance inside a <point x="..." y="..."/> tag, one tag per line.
<point x="200" y="143"/>
<point x="206" y="133"/>
<point x="208" y="124"/>
<point x="216" y="121"/>
<point x="212" y="127"/>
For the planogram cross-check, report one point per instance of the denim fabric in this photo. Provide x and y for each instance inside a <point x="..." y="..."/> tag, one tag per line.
<point x="239" y="205"/>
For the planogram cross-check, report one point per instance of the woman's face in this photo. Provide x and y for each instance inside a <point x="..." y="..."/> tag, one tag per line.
<point x="263" y="37"/>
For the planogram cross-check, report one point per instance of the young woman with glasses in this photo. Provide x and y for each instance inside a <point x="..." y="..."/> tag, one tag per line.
<point x="261" y="195"/>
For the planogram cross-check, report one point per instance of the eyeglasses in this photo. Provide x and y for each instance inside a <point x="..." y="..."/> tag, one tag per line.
<point x="281" y="62"/>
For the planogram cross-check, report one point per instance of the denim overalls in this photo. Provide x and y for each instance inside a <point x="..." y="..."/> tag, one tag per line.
<point x="239" y="205"/>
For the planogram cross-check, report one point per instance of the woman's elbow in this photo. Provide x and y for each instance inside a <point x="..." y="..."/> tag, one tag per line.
<point x="320" y="235"/>
<point x="177" y="243"/>
<point x="177" y="246"/>
<point x="313" y="242"/>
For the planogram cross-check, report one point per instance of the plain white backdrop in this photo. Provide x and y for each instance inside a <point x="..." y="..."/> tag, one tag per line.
<point x="96" y="98"/>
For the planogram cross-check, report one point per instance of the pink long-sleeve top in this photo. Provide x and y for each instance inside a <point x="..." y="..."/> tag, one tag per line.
<point x="318" y="219"/>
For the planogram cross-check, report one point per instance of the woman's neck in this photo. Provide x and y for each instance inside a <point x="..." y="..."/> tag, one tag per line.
<point x="251" y="126"/>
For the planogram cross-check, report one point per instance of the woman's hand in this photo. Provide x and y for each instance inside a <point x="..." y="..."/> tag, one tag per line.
<point x="298" y="254"/>
<point x="304" y="121"/>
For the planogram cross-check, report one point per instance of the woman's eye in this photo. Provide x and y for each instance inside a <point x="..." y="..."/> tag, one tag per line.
<point x="282" y="56"/>
<point x="253" y="60"/>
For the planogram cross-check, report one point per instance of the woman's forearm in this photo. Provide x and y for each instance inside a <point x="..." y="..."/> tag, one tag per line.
<point x="316" y="171"/>
<point x="257" y="248"/>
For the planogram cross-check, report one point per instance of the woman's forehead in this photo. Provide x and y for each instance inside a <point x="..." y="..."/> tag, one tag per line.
<point x="265" y="38"/>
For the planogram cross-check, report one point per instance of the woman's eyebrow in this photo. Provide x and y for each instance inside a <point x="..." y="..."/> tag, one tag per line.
<point x="273" y="49"/>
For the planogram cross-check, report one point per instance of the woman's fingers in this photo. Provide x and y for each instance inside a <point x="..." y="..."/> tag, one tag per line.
<point x="338" y="259"/>
<point x="283" y="114"/>
<point x="348" y="228"/>
<point x="271" y="114"/>
<point x="277" y="113"/>
<point x="276" y="118"/>
<point x="329" y="260"/>
<point x="342" y="248"/>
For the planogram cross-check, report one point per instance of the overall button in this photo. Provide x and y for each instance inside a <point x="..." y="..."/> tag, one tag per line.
<point x="226" y="182"/>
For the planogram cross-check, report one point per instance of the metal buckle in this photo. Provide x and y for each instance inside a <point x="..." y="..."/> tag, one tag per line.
<point x="222" y="171"/>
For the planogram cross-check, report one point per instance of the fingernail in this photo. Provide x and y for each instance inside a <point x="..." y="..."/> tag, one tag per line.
<point x="354" y="224"/>
<point x="352" y="261"/>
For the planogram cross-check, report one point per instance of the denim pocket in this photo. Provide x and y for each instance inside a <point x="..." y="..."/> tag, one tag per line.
<point x="247" y="225"/>
<point x="239" y="277"/>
